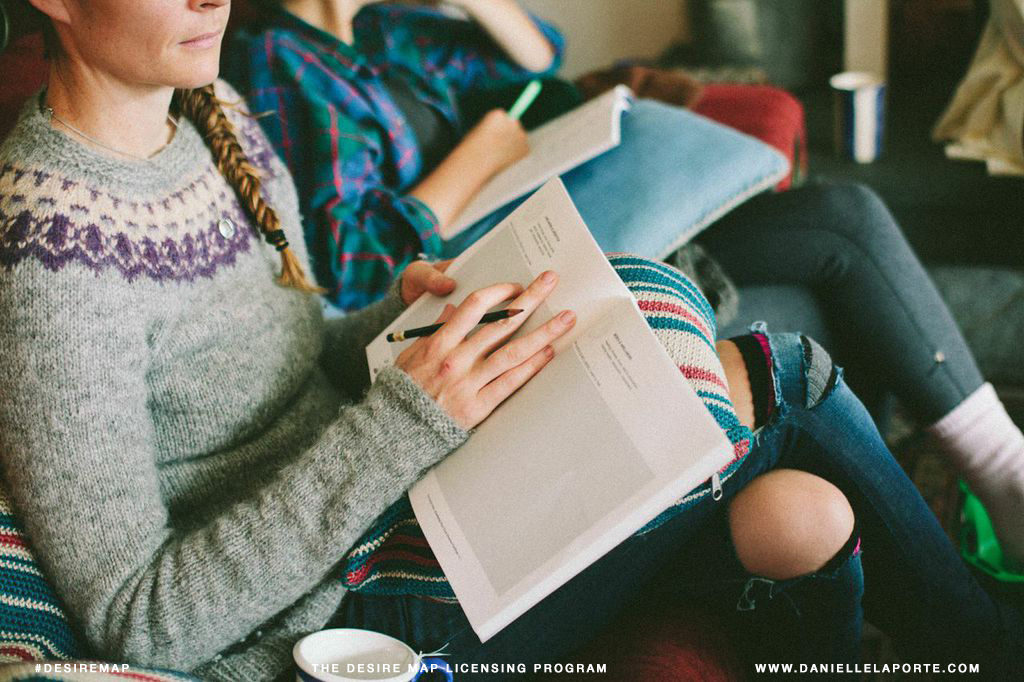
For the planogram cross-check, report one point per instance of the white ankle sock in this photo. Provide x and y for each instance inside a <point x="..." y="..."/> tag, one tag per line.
<point x="987" y="448"/>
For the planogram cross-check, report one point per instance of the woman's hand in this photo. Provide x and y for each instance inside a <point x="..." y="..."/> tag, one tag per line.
<point x="421" y="277"/>
<point x="470" y="377"/>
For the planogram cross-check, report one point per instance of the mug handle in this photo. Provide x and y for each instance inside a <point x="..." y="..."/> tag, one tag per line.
<point x="442" y="666"/>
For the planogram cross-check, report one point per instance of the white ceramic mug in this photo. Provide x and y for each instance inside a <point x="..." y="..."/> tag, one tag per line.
<point x="860" y="114"/>
<point x="354" y="655"/>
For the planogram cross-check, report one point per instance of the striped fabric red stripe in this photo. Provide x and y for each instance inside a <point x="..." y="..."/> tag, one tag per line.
<point x="648" y="305"/>
<point x="11" y="540"/>
<point x="17" y="651"/>
<point x="701" y="374"/>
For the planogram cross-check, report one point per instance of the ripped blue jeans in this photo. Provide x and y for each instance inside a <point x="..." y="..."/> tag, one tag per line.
<point x="903" y="574"/>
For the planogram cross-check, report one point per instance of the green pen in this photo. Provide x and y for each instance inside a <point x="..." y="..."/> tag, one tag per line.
<point x="525" y="99"/>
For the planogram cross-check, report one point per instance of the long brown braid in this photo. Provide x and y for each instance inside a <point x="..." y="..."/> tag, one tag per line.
<point x="206" y="112"/>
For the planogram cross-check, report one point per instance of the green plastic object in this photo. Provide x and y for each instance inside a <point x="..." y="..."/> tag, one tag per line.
<point x="978" y="544"/>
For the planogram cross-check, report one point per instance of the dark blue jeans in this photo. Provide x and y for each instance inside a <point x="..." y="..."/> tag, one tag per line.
<point x="888" y="323"/>
<point x="907" y="578"/>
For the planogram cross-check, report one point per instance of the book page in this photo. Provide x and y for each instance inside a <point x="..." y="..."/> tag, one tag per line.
<point x="544" y="233"/>
<point x="594" y="447"/>
<point x="555" y="148"/>
<point x="602" y="440"/>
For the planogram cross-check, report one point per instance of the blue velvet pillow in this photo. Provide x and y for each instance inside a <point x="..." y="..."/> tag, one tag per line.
<point x="674" y="173"/>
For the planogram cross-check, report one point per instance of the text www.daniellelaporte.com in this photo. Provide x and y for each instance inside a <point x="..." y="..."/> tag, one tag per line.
<point x="867" y="668"/>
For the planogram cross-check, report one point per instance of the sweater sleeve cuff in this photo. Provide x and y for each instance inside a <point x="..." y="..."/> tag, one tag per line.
<point x="417" y="419"/>
<point x="392" y="304"/>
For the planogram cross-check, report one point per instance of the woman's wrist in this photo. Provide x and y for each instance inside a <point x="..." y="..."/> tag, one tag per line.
<point x="470" y="5"/>
<point x="450" y="186"/>
<point x="513" y="30"/>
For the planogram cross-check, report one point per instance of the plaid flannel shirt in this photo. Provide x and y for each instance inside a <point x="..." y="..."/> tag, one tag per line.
<point x="349" y="148"/>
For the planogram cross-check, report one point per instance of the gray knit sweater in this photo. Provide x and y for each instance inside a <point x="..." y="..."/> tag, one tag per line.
<point x="190" y="446"/>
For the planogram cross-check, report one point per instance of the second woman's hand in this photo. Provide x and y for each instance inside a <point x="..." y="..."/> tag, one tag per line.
<point x="470" y="377"/>
<point x="422" y="277"/>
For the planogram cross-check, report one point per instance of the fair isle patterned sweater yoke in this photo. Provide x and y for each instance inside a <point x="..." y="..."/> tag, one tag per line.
<point x="190" y="447"/>
<point x="58" y="217"/>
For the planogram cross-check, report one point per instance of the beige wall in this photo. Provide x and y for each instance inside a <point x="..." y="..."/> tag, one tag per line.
<point x="598" y="32"/>
<point x="601" y="31"/>
<point x="867" y="36"/>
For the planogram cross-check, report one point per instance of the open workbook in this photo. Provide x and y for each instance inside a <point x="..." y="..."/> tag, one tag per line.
<point x="555" y="148"/>
<point x="602" y="440"/>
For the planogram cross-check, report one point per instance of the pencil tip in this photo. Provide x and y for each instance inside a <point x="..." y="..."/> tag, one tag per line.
<point x="514" y="311"/>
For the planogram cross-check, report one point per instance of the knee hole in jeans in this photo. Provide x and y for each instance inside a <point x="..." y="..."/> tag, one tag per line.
<point x="787" y="523"/>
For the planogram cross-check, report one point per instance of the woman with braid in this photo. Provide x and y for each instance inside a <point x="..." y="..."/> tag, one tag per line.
<point x="206" y="475"/>
<point x="202" y="106"/>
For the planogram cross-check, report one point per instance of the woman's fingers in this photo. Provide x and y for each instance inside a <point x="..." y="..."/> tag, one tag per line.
<point x="494" y="334"/>
<point x="439" y="283"/>
<point x="467" y="316"/>
<point x="420" y="277"/>
<point x="417" y="345"/>
<point x="469" y="385"/>
<point x="526" y="347"/>
<point x="496" y="392"/>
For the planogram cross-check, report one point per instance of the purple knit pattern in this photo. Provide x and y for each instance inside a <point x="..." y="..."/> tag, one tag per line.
<point x="166" y="240"/>
<point x="172" y="238"/>
<point x="135" y="246"/>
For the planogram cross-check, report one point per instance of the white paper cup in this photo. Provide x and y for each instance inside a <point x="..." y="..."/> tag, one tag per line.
<point x="353" y="655"/>
<point x="860" y="114"/>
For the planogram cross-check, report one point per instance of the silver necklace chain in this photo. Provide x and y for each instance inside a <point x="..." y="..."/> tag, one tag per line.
<point x="54" y="117"/>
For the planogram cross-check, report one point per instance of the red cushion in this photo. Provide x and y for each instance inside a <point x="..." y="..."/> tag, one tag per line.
<point x="770" y="114"/>
<point x="25" y="59"/>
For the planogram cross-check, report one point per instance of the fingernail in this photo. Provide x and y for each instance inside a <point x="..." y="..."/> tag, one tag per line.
<point x="567" y="316"/>
<point x="549" y="276"/>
